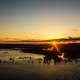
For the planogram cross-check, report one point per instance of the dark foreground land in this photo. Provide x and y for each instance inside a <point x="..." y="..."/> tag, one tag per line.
<point x="39" y="72"/>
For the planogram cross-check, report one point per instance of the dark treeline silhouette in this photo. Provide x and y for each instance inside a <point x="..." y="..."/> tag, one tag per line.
<point x="25" y="46"/>
<point x="72" y="51"/>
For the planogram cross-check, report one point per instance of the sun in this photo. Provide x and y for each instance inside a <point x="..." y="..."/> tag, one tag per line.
<point x="54" y="43"/>
<point x="56" y="46"/>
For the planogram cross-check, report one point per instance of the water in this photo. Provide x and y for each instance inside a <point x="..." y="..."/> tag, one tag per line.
<point x="5" y="54"/>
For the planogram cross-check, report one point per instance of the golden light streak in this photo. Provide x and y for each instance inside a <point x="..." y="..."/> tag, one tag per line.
<point x="56" y="47"/>
<point x="62" y="56"/>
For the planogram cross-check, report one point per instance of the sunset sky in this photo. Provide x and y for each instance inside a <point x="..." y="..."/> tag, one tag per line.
<point x="39" y="19"/>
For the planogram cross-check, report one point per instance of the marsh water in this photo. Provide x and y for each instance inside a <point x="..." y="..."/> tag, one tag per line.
<point x="18" y="55"/>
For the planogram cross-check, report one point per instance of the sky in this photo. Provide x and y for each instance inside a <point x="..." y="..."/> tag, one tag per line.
<point x="39" y="19"/>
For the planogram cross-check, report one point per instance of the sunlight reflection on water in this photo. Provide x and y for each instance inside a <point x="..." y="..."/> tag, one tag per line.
<point x="6" y="54"/>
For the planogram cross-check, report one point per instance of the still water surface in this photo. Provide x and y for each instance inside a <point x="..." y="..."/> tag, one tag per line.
<point x="5" y="54"/>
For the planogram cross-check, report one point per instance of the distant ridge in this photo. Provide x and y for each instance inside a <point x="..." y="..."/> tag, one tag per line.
<point x="50" y="40"/>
